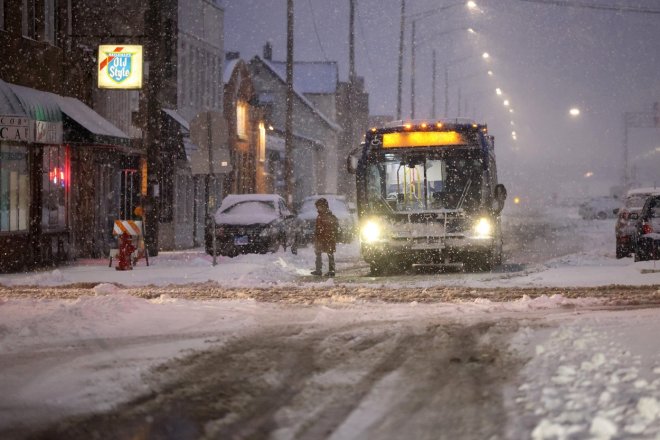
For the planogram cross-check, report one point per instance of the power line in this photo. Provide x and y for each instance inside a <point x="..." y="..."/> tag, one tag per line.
<point x="316" y="31"/>
<point x="583" y="5"/>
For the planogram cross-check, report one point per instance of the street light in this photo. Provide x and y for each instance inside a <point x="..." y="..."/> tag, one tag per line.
<point x="574" y="111"/>
<point x="471" y="5"/>
<point x="413" y="69"/>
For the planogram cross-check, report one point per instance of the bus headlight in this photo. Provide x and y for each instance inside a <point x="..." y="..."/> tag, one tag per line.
<point x="483" y="228"/>
<point x="371" y="231"/>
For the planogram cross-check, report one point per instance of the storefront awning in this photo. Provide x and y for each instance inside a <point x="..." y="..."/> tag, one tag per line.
<point x="38" y="105"/>
<point x="84" y="125"/>
<point x="9" y="103"/>
<point x="42" y="108"/>
<point x="178" y="119"/>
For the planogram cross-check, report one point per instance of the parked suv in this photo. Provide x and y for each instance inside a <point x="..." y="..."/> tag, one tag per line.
<point x="627" y="217"/>
<point x="339" y="207"/>
<point x="647" y="233"/>
<point x="251" y="223"/>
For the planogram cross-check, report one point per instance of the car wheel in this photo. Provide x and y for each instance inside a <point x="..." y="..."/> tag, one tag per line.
<point x="621" y="252"/>
<point x="601" y="215"/>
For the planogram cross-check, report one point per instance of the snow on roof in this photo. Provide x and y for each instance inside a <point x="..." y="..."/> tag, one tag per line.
<point x="312" y="76"/>
<point x="305" y="101"/>
<point x="229" y="69"/>
<point x="648" y="190"/>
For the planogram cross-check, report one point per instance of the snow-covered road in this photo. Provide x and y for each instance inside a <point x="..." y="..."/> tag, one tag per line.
<point x="255" y="348"/>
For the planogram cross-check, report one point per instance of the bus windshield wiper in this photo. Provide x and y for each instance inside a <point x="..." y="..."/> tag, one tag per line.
<point x="464" y="194"/>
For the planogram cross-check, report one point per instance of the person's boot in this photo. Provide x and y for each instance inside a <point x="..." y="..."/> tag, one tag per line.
<point x="331" y="266"/>
<point x="317" y="272"/>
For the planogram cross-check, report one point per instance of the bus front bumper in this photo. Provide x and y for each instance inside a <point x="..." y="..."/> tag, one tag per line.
<point x="426" y="250"/>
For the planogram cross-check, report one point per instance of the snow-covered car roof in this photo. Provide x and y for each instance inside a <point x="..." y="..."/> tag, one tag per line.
<point x="648" y="190"/>
<point x="253" y="216"/>
<point x="337" y="203"/>
<point x="233" y="199"/>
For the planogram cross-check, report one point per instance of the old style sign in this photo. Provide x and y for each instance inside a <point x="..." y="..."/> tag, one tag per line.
<point x="120" y="67"/>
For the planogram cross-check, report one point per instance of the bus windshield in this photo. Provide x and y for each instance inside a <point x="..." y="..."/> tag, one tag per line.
<point x="414" y="182"/>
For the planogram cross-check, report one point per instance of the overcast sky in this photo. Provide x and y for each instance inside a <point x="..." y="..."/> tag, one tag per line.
<point x="545" y="58"/>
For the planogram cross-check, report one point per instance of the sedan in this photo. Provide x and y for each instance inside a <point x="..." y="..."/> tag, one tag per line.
<point x="251" y="223"/>
<point x="647" y="235"/>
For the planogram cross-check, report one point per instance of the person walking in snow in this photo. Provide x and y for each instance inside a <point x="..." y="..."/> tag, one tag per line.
<point x="325" y="237"/>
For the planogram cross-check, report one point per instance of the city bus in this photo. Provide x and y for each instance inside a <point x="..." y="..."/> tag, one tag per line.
<point x="428" y="195"/>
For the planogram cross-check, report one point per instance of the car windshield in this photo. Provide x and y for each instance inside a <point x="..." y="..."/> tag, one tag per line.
<point x="251" y="208"/>
<point x="636" y="201"/>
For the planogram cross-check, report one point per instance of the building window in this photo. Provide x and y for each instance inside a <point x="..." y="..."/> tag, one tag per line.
<point x="55" y="182"/>
<point x="262" y="142"/>
<point x="241" y="120"/>
<point x="29" y="19"/>
<point x="49" y="21"/>
<point x="14" y="188"/>
<point x="2" y="15"/>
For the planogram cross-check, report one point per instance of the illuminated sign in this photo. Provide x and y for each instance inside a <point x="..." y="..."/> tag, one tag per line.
<point x="57" y="176"/>
<point x="120" y="67"/>
<point x="422" y="139"/>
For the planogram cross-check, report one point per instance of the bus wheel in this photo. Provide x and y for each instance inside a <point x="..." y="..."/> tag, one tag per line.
<point x="376" y="269"/>
<point x="480" y="262"/>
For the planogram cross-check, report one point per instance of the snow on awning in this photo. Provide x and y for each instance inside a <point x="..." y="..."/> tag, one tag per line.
<point x="9" y="103"/>
<point x="40" y="106"/>
<point x="98" y="129"/>
<point x="177" y="118"/>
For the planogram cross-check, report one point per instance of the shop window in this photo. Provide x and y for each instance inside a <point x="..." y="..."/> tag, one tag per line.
<point x="14" y="188"/>
<point x="55" y="183"/>
<point x="241" y="120"/>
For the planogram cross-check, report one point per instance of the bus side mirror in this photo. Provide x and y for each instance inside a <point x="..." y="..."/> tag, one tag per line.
<point x="352" y="160"/>
<point x="500" y="197"/>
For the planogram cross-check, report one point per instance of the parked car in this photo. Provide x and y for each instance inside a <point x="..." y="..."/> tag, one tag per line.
<point x="342" y="209"/>
<point x="647" y="233"/>
<point x="599" y="208"/>
<point x="251" y="223"/>
<point x="627" y="217"/>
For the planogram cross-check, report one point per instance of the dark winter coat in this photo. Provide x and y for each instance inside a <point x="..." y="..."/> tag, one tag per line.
<point x="325" y="234"/>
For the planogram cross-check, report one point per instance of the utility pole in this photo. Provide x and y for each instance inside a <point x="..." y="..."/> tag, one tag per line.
<point x="433" y="116"/>
<point x="412" y="74"/>
<point x="400" y="79"/>
<point x="289" y="182"/>
<point x="446" y="91"/>
<point x="152" y="132"/>
<point x="350" y="104"/>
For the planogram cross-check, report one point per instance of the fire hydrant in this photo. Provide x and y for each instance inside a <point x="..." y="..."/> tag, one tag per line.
<point x="126" y="249"/>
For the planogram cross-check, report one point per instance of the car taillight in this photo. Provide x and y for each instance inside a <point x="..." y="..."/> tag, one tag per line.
<point x="647" y="228"/>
